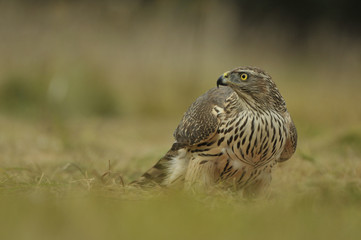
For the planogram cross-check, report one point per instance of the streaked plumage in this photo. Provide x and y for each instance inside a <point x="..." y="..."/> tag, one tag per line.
<point x="231" y="136"/>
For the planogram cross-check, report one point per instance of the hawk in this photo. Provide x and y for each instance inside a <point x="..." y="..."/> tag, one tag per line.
<point x="231" y="136"/>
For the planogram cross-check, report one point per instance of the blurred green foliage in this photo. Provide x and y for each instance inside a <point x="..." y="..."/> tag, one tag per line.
<point x="39" y="95"/>
<point x="19" y="94"/>
<point x="350" y="140"/>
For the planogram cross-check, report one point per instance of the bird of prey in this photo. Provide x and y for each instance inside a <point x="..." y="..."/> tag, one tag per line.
<point x="231" y="136"/>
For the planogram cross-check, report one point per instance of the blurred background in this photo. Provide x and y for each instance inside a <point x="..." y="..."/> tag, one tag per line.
<point x="91" y="92"/>
<point x="107" y="76"/>
<point x="120" y="62"/>
<point x="152" y="58"/>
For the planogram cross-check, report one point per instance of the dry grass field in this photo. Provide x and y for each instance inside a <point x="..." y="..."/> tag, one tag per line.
<point x="89" y="101"/>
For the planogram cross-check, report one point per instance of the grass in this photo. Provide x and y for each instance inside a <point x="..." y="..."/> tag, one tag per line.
<point x="57" y="183"/>
<point x="81" y="113"/>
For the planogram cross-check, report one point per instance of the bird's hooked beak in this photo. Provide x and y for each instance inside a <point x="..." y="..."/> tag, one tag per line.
<point x="222" y="80"/>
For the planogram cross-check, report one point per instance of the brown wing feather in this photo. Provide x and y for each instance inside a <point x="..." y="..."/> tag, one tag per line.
<point x="291" y="142"/>
<point x="199" y="123"/>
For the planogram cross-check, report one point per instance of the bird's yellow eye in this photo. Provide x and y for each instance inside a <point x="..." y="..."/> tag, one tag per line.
<point x="244" y="76"/>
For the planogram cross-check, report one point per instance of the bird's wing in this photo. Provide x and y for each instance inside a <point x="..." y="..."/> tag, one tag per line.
<point x="200" y="122"/>
<point x="291" y="141"/>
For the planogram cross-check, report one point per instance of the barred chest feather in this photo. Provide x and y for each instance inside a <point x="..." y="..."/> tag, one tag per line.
<point x="245" y="147"/>
<point x="253" y="138"/>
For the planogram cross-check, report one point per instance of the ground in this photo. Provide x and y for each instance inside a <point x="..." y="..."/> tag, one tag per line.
<point x="65" y="180"/>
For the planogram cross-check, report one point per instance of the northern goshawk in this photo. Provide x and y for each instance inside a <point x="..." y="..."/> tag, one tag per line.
<point x="231" y="136"/>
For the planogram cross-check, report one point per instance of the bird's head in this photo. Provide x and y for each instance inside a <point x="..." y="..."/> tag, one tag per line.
<point x="254" y="86"/>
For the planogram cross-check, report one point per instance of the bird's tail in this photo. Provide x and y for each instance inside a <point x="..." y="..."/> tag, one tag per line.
<point x="156" y="175"/>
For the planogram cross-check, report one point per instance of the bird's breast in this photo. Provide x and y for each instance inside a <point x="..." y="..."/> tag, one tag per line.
<point x="252" y="138"/>
<point x="245" y="147"/>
